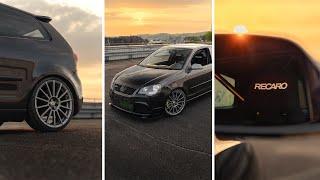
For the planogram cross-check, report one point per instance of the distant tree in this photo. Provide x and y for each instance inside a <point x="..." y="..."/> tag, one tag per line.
<point x="208" y="36"/>
<point x="192" y="39"/>
<point x="123" y="40"/>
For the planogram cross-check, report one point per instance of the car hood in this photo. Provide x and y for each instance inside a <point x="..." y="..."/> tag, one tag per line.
<point x="139" y="76"/>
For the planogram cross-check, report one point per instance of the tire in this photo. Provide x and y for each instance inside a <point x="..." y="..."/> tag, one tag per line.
<point x="51" y="105"/>
<point x="175" y="102"/>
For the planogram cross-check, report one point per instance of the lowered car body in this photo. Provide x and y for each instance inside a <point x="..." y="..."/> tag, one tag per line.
<point x="169" y="77"/>
<point x="36" y="64"/>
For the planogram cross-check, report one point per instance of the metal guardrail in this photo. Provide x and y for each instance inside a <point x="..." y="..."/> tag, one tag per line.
<point x="91" y="109"/>
<point x="92" y="100"/>
<point x="125" y="52"/>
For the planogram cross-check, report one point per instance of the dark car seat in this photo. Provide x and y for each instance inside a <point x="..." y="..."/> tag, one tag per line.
<point x="273" y="97"/>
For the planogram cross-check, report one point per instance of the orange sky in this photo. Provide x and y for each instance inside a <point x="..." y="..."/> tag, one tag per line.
<point x="294" y="19"/>
<point x="131" y="17"/>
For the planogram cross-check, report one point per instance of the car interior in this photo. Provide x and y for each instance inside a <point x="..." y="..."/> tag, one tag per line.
<point x="238" y="97"/>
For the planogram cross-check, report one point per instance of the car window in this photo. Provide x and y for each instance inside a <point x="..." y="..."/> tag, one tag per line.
<point x="223" y="97"/>
<point x="15" y="24"/>
<point x="201" y="57"/>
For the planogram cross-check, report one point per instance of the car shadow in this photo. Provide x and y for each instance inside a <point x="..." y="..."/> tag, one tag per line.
<point x="16" y="131"/>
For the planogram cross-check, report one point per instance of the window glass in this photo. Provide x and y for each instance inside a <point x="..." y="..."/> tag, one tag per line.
<point x="223" y="97"/>
<point x="201" y="57"/>
<point x="15" y="24"/>
<point x="167" y="58"/>
<point x="209" y="57"/>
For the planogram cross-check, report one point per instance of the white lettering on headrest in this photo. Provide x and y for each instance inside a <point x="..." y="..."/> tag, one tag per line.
<point x="270" y="86"/>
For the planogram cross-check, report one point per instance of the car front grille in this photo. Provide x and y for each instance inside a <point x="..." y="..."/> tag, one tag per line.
<point x="124" y="89"/>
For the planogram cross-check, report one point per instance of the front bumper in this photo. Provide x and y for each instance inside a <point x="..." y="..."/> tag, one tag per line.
<point x="139" y="105"/>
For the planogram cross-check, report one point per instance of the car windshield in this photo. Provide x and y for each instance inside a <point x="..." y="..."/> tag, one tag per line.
<point x="167" y="58"/>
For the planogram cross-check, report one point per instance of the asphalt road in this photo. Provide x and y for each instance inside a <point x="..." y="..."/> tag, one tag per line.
<point x="285" y="157"/>
<point x="160" y="148"/>
<point x="74" y="153"/>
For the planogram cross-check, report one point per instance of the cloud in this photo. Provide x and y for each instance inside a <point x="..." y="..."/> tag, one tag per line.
<point x="80" y="28"/>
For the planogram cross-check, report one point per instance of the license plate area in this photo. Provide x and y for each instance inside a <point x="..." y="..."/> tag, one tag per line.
<point x="125" y="104"/>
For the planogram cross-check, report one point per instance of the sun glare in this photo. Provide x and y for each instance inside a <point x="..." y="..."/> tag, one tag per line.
<point x="138" y="18"/>
<point x="240" y="29"/>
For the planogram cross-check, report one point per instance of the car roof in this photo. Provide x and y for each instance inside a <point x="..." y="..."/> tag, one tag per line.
<point x="191" y="46"/>
<point x="41" y="18"/>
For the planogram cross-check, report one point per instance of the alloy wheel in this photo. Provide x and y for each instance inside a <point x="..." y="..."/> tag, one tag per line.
<point x="175" y="102"/>
<point x="54" y="103"/>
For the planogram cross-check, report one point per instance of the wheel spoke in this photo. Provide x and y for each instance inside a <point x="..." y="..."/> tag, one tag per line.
<point x="49" y="115"/>
<point x="175" y="96"/>
<point x="180" y="102"/>
<point x="68" y="100"/>
<point x="171" y="108"/>
<point x="63" y="113"/>
<point x="63" y="94"/>
<point x="44" y="93"/>
<point x="58" y="92"/>
<point x="60" y="119"/>
<point x="49" y="89"/>
<point x="54" y="88"/>
<point x="39" y="107"/>
<point x="54" y="118"/>
<point x="65" y="107"/>
<point x="45" y="112"/>
<point x="45" y="100"/>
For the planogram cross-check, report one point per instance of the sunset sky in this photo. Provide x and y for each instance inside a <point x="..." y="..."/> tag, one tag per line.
<point x="132" y="17"/>
<point x="294" y="19"/>
<point x="80" y="22"/>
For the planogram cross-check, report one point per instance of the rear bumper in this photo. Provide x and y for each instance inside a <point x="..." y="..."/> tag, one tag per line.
<point x="78" y="103"/>
<point x="78" y="93"/>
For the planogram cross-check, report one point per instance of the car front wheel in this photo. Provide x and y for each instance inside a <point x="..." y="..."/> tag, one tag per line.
<point x="51" y="105"/>
<point x="175" y="102"/>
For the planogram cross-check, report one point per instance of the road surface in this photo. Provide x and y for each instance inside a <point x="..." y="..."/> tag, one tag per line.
<point x="74" y="153"/>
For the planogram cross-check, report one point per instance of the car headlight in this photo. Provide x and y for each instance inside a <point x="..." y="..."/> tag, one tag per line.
<point x="150" y="90"/>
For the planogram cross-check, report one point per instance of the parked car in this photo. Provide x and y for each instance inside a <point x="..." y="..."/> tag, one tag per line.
<point x="38" y="72"/>
<point x="262" y="80"/>
<point x="164" y="81"/>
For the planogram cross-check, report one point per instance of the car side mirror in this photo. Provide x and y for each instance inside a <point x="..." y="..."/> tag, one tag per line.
<point x="196" y="67"/>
